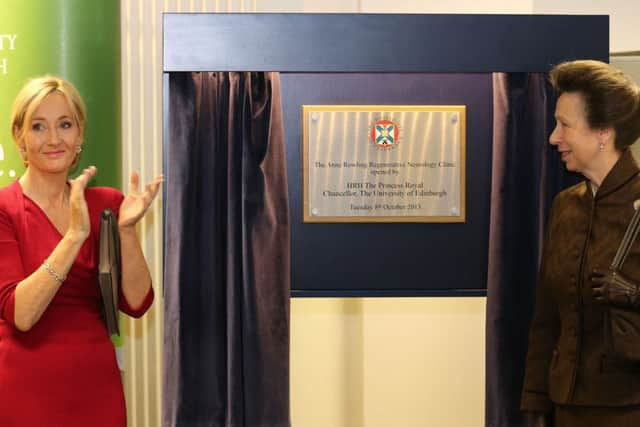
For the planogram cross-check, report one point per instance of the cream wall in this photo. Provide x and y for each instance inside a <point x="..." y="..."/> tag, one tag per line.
<point x="452" y="6"/>
<point x="354" y="362"/>
<point x="409" y="362"/>
<point x="403" y="6"/>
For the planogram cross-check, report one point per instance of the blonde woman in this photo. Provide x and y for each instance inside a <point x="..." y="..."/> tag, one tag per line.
<point x="57" y="363"/>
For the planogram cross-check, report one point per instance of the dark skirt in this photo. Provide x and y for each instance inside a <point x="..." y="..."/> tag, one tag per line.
<point x="593" y="416"/>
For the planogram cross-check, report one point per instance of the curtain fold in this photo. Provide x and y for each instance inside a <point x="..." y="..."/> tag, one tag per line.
<point x="227" y="261"/>
<point x="526" y="175"/>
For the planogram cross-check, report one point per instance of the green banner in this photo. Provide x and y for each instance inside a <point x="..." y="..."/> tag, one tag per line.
<point x="78" y="40"/>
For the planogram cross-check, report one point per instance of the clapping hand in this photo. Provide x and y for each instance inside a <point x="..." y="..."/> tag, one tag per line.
<point x="79" y="224"/>
<point x="136" y="203"/>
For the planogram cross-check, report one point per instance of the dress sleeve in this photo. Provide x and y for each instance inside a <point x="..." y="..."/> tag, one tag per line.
<point x="543" y="336"/>
<point x="11" y="269"/>
<point x="123" y="304"/>
<point x="116" y="200"/>
<point x="136" y="312"/>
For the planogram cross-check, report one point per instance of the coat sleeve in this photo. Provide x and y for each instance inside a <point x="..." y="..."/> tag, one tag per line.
<point x="543" y="336"/>
<point x="11" y="269"/>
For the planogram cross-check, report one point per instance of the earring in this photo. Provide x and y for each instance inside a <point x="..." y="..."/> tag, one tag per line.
<point x="78" y="149"/>
<point x="601" y="146"/>
<point x="23" y="154"/>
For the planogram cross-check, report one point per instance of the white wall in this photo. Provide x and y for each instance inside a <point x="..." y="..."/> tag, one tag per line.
<point x="405" y="6"/>
<point x="308" y="6"/>
<point x="451" y="6"/>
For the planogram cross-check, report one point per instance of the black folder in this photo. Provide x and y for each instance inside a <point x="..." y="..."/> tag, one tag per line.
<point x="109" y="269"/>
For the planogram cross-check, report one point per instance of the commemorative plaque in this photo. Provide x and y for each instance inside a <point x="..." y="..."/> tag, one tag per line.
<point x="373" y="163"/>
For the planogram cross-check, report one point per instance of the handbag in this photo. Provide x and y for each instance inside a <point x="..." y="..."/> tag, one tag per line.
<point x="622" y="326"/>
<point x="109" y="269"/>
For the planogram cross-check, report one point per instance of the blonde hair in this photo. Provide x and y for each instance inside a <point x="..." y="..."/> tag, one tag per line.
<point x="31" y="96"/>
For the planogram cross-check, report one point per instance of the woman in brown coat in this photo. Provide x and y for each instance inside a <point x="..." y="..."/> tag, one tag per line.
<point x="573" y="377"/>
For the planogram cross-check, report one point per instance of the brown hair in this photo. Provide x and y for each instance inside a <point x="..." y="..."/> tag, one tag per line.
<point x="612" y="100"/>
<point x="31" y="96"/>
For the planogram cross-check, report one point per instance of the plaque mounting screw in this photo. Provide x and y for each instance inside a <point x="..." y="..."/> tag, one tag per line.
<point x="454" y="211"/>
<point x="454" y="118"/>
<point x="315" y="211"/>
<point x="315" y="116"/>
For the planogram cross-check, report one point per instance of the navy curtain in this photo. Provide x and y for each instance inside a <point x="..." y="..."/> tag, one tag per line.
<point x="526" y="175"/>
<point x="226" y="253"/>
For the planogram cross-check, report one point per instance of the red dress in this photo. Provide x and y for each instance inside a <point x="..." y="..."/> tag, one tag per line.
<point x="63" y="371"/>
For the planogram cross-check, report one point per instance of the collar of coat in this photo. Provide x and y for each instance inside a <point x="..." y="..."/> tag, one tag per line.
<point x="622" y="172"/>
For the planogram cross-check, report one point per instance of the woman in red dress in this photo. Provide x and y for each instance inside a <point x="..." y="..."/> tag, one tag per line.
<point x="57" y="363"/>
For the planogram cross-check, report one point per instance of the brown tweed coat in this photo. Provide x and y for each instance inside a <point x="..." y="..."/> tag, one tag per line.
<point x="568" y="362"/>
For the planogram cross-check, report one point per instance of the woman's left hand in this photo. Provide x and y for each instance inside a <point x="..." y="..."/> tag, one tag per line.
<point x="611" y="287"/>
<point x="136" y="203"/>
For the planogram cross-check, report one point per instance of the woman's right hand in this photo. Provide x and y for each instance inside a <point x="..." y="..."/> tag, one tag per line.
<point x="79" y="224"/>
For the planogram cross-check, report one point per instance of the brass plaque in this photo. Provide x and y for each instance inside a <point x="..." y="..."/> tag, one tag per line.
<point x="384" y="163"/>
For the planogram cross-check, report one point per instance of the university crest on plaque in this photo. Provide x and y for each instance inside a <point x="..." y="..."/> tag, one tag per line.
<point x="385" y="134"/>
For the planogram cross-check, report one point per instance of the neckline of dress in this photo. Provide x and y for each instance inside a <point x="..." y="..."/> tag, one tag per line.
<point x="39" y="208"/>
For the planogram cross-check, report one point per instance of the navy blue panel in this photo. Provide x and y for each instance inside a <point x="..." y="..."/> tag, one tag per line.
<point x="380" y="43"/>
<point x="345" y="259"/>
<point x="369" y="258"/>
